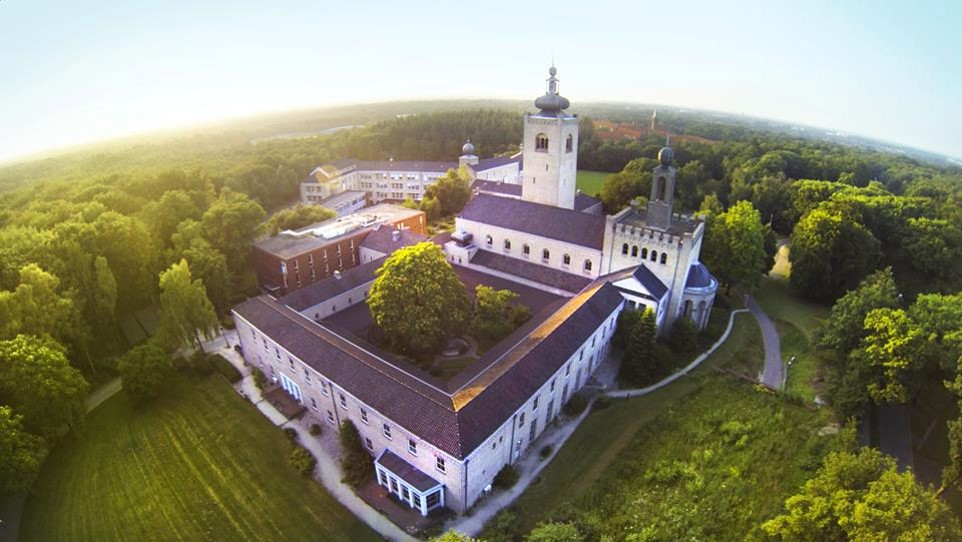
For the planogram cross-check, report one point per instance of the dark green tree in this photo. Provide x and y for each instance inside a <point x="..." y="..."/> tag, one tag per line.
<point x="144" y="370"/>
<point x="230" y="224"/>
<point x="845" y="326"/>
<point x="452" y="190"/>
<point x="20" y="454"/>
<point x="356" y="463"/>
<point x="496" y="313"/>
<point x="185" y="311"/>
<point x="638" y="365"/>
<point x="734" y="246"/>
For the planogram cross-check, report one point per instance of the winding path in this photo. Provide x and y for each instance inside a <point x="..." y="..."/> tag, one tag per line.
<point x="773" y="375"/>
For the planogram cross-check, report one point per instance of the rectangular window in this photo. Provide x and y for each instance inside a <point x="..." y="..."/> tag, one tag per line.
<point x="314" y="403"/>
<point x="412" y="447"/>
<point x="521" y="420"/>
<point x="387" y="431"/>
<point x="534" y="405"/>
<point x="369" y="444"/>
<point x="440" y="464"/>
<point x="324" y="388"/>
<point x="343" y="401"/>
<point x="330" y="416"/>
<point x="552" y="385"/>
<point x="307" y="376"/>
<point x="567" y="370"/>
<point x="290" y="361"/>
<point x="363" y="415"/>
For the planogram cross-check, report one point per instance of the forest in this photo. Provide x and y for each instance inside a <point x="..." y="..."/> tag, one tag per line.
<point x="89" y="237"/>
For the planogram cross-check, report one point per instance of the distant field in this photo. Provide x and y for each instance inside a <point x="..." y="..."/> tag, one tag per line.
<point x="201" y="464"/>
<point x="590" y="182"/>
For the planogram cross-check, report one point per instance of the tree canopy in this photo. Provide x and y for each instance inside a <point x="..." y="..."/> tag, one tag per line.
<point x="298" y="216"/>
<point x="143" y="370"/>
<point x="185" y="311"/>
<point x="417" y="300"/>
<point x="734" y="246"/>
<point x="20" y="453"/>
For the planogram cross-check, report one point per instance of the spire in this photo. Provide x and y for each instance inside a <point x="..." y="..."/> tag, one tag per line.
<point x="552" y="102"/>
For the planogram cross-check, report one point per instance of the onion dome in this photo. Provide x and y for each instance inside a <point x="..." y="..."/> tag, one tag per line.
<point x="666" y="156"/>
<point x="468" y="148"/>
<point x="552" y="102"/>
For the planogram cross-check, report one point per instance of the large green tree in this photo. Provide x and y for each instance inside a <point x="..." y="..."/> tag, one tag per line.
<point x="638" y="364"/>
<point x="20" y="453"/>
<point x="895" y="349"/>
<point x="831" y="252"/>
<point x="861" y="496"/>
<point x="230" y="224"/>
<point x="36" y="307"/>
<point x="496" y="313"/>
<point x="845" y="326"/>
<point x="417" y="300"/>
<point x="143" y="370"/>
<point x="37" y="380"/>
<point x="734" y="246"/>
<point x="356" y="464"/>
<point x="298" y="216"/>
<point x="185" y="311"/>
<point x="452" y="190"/>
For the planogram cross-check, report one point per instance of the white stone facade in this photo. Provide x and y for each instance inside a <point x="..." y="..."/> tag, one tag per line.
<point x="550" y="159"/>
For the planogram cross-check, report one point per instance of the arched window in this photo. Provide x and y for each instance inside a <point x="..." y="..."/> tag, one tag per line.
<point x="687" y="310"/>
<point x="541" y="142"/>
<point x="634" y="251"/>
<point x="566" y="259"/>
<point x="507" y="245"/>
<point x="644" y="254"/>
<point x="570" y="143"/>
<point x="664" y="257"/>
<point x="654" y="255"/>
<point x="587" y="265"/>
<point x="489" y="240"/>
<point x="545" y="254"/>
<point x="525" y="249"/>
<point x="624" y="249"/>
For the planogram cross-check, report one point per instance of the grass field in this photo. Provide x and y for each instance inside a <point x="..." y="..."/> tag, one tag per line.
<point x="200" y="464"/>
<point x="673" y="426"/>
<point x="590" y="182"/>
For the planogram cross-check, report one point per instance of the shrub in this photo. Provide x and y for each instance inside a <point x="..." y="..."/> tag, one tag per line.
<point x="144" y="371"/>
<point x="505" y="525"/>
<point x="315" y="430"/>
<point x="199" y="364"/>
<point x="545" y="452"/>
<point x="302" y="460"/>
<point x="225" y="368"/>
<point x="356" y="464"/>
<point x="227" y="323"/>
<point x="291" y="433"/>
<point x="576" y="405"/>
<point x="259" y="378"/>
<point x="506" y="478"/>
<point x="602" y="402"/>
<point x="683" y="336"/>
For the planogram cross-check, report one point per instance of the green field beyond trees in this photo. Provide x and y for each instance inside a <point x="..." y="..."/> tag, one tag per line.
<point x="199" y="464"/>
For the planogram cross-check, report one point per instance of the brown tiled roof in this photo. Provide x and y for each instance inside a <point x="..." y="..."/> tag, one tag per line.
<point x="457" y="419"/>
<point x="382" y="240"/>
<point x="565" y="225"/>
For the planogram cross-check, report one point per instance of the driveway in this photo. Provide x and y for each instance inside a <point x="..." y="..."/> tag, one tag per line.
<point x="773" y="375"/>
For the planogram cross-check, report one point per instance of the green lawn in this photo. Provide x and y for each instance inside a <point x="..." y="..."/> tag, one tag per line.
<point x="200" y="464"/>
<point x="590" y="182"/>
<point x="676" y="423"/>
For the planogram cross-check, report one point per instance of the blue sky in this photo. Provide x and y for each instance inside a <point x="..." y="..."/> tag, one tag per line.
<point x="72" y="72"/>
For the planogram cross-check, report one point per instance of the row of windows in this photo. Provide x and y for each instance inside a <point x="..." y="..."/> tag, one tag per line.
<point x="644" y="253"/>
<point x="545" y="253"/>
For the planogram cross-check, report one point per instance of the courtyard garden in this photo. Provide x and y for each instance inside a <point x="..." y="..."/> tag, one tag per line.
<point x="200" y="463"/>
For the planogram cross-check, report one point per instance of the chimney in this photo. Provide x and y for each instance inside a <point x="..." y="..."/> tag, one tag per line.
<point x="337" y="274"/>
<point x="396" y="236"/>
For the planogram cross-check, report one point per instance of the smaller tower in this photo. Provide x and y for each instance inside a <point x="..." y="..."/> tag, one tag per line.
<point x="662" y="191"/>
<point x="468" y="158"/>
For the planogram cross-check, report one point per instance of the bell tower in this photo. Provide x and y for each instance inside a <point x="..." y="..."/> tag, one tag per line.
<point x="550" y="150"/>
<point x="662" y="191"/>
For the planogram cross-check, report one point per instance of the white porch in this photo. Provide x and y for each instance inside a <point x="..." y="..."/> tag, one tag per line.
<point x="409" y="484"/>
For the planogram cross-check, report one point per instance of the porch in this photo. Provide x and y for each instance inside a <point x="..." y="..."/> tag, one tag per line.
<point x="418" y="490"/>
<point x="287" y="405"/>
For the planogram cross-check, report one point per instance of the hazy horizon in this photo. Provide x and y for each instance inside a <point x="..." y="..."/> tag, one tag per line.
<point x="103" y="72"/>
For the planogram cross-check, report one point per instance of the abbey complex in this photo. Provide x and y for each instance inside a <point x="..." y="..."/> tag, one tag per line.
<point x="526" y="228"/>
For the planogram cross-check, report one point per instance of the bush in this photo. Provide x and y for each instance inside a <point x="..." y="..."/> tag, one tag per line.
<point x="505" y="525"/>
<point x="302" y="460"/>
<point x="506" y="478"/>
<point x="227" y="323"/>
<point x="225" y="368"/>
<point x="259" y="379"/>
<point x="683" y="337"/>
<point x="291" y="433"/>
<point x="144" y="370"/>
<point x="356" y="464"/>
<point x="199" y="364"/>
<point x="545" y="452"/>
<point x="576" y="405"/>
<point x="602" y="402"/>
<point x="315" y="430"/>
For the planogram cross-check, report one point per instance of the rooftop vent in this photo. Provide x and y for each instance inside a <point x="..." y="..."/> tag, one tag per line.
<point x="395" y="235"/>
<point x="337" y="274"/>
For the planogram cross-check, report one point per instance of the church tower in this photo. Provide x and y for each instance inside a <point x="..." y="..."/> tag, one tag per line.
<point x="662" y="191"/>
<point x="550" y="150"/>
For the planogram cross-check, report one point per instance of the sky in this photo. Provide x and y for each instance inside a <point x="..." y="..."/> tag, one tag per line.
<point x="74" y="72"/>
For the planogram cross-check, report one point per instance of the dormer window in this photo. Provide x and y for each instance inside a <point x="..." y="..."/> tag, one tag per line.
<point x="545" y="255"/>
<point x="541" y="143"/>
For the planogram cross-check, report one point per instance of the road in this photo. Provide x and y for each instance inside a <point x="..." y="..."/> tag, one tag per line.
<point x="773" y="375"/>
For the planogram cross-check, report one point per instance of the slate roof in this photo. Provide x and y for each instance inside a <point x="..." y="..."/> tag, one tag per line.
<point x="584" y="201"/>
<point x="505" y="189"/>
<point x="323" y="290"/>
<point x="566" y="225"/>
<point x="459" y="416"/>
<point x="496" y="161"/>
<point x="381" y="240"/>
<point x="698" y="276"/>
<point x="406" y="471"/>
<point x="651" y="282"/>
<point x="556" y="278"/>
